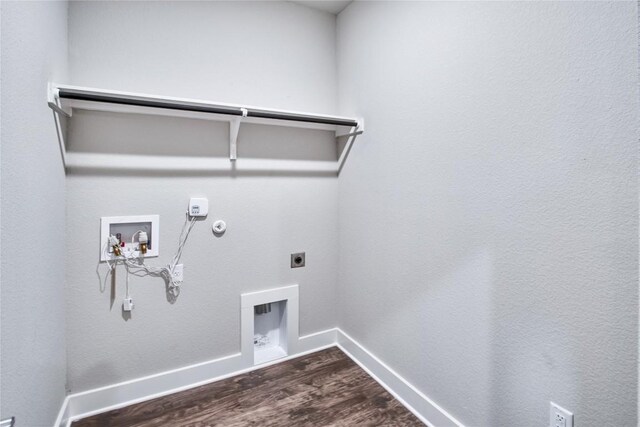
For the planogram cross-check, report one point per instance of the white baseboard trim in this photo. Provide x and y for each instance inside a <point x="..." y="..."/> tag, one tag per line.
<point x="317" y="341"/>
<point x="63" y="416"/>
<point x="103" y="399"/>
<point x="413" y="399"/>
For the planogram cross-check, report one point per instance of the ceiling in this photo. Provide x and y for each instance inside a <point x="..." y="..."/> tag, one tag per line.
<point x="331" y="6"/>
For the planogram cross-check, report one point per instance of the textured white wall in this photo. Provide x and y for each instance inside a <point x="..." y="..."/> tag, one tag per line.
<point x="272" y="54"/>
<point x="34" y="50"/>
<point x="489" y="214"/>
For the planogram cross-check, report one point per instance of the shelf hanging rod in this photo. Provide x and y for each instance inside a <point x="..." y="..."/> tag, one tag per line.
<point x="170" y="105"/>
<point x="67" y="93"/>
<point x="264" y="114"/>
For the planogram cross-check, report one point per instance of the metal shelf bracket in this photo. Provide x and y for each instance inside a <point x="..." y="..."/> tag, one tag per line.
<point x="234" y="128"/>
<point x="351" y="137"/>
<point x="54" y="103"/>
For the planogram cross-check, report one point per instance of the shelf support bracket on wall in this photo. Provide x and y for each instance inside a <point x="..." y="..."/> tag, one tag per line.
<point x="351" y="137"/>
<point x="234" y="128"/>
<point x="54" y="103"/>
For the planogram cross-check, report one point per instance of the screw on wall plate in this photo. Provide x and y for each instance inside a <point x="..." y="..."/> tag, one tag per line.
<point x="297" y="260"/>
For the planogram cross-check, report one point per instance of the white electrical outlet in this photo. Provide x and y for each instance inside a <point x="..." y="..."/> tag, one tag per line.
<point x="178" y="273"/>
<point x="559" y="417"/>
<point x="127" y="304"/>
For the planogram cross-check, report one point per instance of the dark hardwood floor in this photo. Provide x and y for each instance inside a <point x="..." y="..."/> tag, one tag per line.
<point x="321" y="389"/>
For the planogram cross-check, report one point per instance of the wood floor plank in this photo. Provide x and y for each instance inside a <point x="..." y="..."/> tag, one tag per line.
<point x="320" y="389"/>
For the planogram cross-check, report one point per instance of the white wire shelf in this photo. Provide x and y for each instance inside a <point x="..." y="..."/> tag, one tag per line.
<point x="64" y="99"/>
